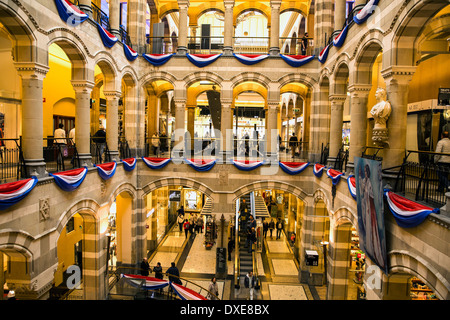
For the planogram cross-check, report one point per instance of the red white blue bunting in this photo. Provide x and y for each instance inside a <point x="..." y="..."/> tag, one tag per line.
<point x="71" y="179"/>
<point x="69" y="13"/>
<point x="129" y="52"/>
<point x="247" y="165"/>
<point x="249" y="59"/>
<point x="407" y="213"/>
<point x="365" y="12"/>
<point x="296" y="60"/>
<point x="293" y="167"/>
<point x="144" y="282"/>
<point x="202" y="60"/>
<point x="156" y="163"/>
<point x="129" y="164"/>
<point x="157" y="59"/>
<point x="201" y="165"/>
<point x="334" y="175"/>
<point x="318" y="170"/>
<point x="186" y="293"/>
<point x="339" y="40"/>
<point x="13" y="192"/>
<point x="324" y="54"/>
<point x="106" y="170"/>
<point x="351" y="182"/>
<point x="108" y="39"/>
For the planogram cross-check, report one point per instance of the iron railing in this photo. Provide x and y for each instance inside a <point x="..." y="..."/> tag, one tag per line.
<point x="12" y="164"/>
<point x="60" y="156"/>
<point x="99" y="150"/>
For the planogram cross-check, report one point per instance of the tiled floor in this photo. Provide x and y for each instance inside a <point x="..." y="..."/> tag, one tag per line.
<point x="287" y="292"/>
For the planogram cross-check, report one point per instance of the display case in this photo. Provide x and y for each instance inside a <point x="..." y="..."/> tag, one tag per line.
<point x="420" y="291"/>
<point x="210" y="232"/>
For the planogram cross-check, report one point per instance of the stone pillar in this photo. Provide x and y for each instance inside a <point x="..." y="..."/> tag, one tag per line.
<point x="114" y="17"/>
<point x="136" y="24"/>
<point x="272" y="129"/>
<point x="183" y="6"/>
<point x="275" y="27"/>
<point x="180" y="112"/>
<point x="339" y="14"/>
<point x="320" y="122"/>
<point x="228" y="27"/>
<point x="323" y="24"/>
<point x="358" y="117"/>
<point x="112" y="123"/>
<point x="85" y="6"/>
<point x="226" y="143"/>
<point x="306" y="123"/>
<point x="190" y="124"/>
<point x="83" y="91"/>
<point x="337" y="109"/>
<point x="152" y="114"/>
<point x="397" y="80"/>
<point x="32" y="76"/>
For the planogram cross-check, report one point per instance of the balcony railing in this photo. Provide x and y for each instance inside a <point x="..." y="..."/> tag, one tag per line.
<point x="12" y="165"/>
<point x="99" y="150"/>
<point x="60" y="156"/>
<point x="251" y="45"/>
<point x="100" y="16"/>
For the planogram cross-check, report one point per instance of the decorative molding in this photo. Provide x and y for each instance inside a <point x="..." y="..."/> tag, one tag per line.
<point x="44" y="209"/>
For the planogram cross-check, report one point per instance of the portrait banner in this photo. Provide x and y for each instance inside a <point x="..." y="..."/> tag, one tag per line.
<point x="370" y="206"/>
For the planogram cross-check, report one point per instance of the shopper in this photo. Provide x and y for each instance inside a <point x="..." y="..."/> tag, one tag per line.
<point x="200" y="224"/>
<point x="293" y="141"/>
<point x="155" y="144"/>
<point x="145" y="267"/>
<point x="213" y="290"/>
<point x="251" y="222"/>
<point x="265" y="228"/>
<point x="279" y="227"/>
<point x="251" y="239"/>
<point x="174" y="274"/>
<point x="304" y="43"/>
<point x="249" y="283"/>
<point x="231" y="244"/>
<point x="180" y="220"/>
<point x="271" y="227"/>
<point x="186" y="227"/>
<point x="443" y="162"/>
<point x="158" y="271"/>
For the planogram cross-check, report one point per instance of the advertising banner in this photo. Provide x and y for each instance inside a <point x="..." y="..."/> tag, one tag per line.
<point x="370" y="206"/>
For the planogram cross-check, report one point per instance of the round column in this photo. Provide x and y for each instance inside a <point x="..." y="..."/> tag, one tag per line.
<point x="183" y="6"/>
<point x="112" y="123"/>
<point x="114" y="17"/>
<point x="337" y="110"/>
<point x="228" y="27"/>
<point x="275" y="27"/>
<point x="272" y="129"/>
<point x="339" y="14"/>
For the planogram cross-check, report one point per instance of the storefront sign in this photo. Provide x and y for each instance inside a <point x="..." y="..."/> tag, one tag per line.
<point x="312" y="258"/>
<point x="422" y="105"/>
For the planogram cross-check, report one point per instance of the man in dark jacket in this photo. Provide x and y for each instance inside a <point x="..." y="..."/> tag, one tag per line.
<point x="174" y="274"/>
<point x="145" y="267"/>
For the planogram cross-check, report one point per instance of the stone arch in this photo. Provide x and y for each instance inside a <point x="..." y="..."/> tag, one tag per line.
<point x="18" y="241"/>
<point x="365" y="57"/>
<point x="407" y="30"/>
<point x="108" y="66"/>
<point x="185" y="182"/>
<point x="257" y="6"/>
<point x="320" y="194"/>
<point x="250" y="77"/>
<point x="158" y="75"/>
<point x="202" y="75"/>
<point x="269" y="184"/>
<point x="88" y="206"/>
<point x="129" y="76"/>
<point x="403" y="262"/>
<point x="302" y="78"/>
<point x="124" y="187"/>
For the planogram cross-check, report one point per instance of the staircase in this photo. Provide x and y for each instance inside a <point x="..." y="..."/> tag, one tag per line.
<point x="261" y="208"/>
<point x="207" y="208"/>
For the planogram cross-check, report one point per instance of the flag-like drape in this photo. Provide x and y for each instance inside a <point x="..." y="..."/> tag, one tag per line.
<point x="293" y="167"/>
<point x="407" y="213"/>
<point x="70" y="13"/>
<point x="339" y="40"/>
<point x="106" y="170"/>
<point x="296" y="60"/>
<point x="157" y="59"/>
<point x="334" y="175"/>
<point x="13" y="192"/>
<point x="201" y="165"/>
<point x="108" y="39"/>
<point x="186" y="293"/>
<point x="202" y="60"/>
<point x="324" y="54"/>
<point x="130" y="53"/>
<point x="71" y="179"/>
<point x="351" y="182"/>
<point x="148" y="283"/>
<point x="247" y="165"/>
<point x="249" y="59"/>
<point x="318" y="170"/>
<point x="129" y="164"/>
<point x="156" y="163"/>
<point x="365" y="12"/>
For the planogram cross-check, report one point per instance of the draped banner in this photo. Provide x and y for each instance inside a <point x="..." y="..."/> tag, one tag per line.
<point x="71" y="179"/>
<point x="296" y="60"/>
<point x="130" y="53"/>
<point x="334" y="175"/>
<point x="157" y="59"/>
<point x="370" y="208"/>
<point x="406" y="212"/>
<point x="247" y="165"/>
<point x="186" y="293"/>
<point x="324" y="54"/>
<point x="340" y="39"/>
<point x="144" y="282"/>
<point x="351" y="182"/>
<point x="202" y="60"/>
<point x="156" y="163"/>
<point x="293" y="167"/>
<point x="201" y="165"/>
<point x="108" y="39"/>
<point x="249" y="59"/>
<point x="129" y="164"/>
<point x="69" y="13"/>
<point x="106" y="170"/>
<point x="365" y="12"/>
<point x="11" y="193"/>
<point x="318" y="170"/>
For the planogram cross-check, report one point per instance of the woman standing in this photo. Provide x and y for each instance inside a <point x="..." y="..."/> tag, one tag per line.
<point x="213" y="289"/>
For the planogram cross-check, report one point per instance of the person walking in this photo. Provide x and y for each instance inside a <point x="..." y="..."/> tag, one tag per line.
<point x="249" y="283"/>
<point x="200" y="224"/>
<point x="279" y="227"/>
<point x="174" y="273"/>
<point x="186" y="227"/>
<point x="443" y="161"/>
<point x="304" y="43"/>
<point x="155" y="144"/>
<point x="271" y="227"/>
<point x="265" y="228"/>
<point x="293" y="141"/>
<point x="251" y="239"/>
<point x="213" y="290"/>
<point x="180" y="220"/>
<point x="145" y="267"/>
<point x="231" y="244"/>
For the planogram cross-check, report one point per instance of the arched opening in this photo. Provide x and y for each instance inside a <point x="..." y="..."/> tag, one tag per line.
<point x="207" y="35"/>
<point x="251" y="34"/>
<point x="15" y="273"/>
<point x="292" y="25"/>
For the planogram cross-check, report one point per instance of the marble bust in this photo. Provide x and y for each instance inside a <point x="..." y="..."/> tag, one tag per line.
<point x="380" y="112"/>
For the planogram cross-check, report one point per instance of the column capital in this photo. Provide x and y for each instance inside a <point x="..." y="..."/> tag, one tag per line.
<point x="275" y="4"/>
<point x="83" y="85"/>
<point x="359" y="90"/>
<point x="339" y="98"/>
<point x="399" y="74"/>
<point x="228" y="4"/>
<point x="183" y="4"/>
<point x="273" y="106"/>
<point x="31" y="70"/>
<point x="112" y="94"/>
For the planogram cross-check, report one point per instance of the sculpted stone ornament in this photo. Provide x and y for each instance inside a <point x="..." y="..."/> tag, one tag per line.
<point x="380" y="112"/>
